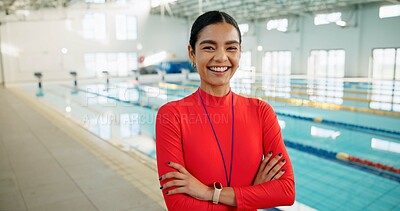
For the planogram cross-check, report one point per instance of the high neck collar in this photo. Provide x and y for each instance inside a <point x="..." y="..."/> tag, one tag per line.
<point x="215" y="101"/>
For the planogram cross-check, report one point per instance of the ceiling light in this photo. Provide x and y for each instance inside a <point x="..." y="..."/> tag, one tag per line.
<point x="279" y="24"/>
<point x="156" y="3"/>
<point x="389" y="11"/>
<point x="321" y="19"/>
<point x="22" y="12"/>
<point x="341" y="23"/>
<point x="64" y="50"/>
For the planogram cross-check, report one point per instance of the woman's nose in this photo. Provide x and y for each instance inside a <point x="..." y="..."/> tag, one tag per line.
<point x="220" y="56"/>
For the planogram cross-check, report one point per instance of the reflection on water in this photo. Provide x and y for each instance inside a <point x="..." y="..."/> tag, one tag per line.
<point x="282" y="124"/>
<point x="380" y="95"/>
<point x="100" y="127"/>
<point x="324" y="133"/>
<point x="39" y="93"/>
<point x="276" y="86"/>
<point x="123" y="130"/>
<point x="385" y="95"/>
<point x="389" y="146"/>
<point x="129" y="125"/>
<point x="326" y="90"/>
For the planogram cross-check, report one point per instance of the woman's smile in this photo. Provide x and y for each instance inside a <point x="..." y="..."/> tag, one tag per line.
<point x="218" y="69"/>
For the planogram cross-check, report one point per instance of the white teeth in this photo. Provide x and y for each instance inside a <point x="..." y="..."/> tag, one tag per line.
<point x="218" y="69"/>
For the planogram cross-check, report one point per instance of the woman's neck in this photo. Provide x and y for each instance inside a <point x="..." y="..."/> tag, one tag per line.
<point x="216" y="91"/>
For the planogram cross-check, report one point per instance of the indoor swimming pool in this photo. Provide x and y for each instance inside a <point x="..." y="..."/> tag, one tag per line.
<point x="343" y="137"/>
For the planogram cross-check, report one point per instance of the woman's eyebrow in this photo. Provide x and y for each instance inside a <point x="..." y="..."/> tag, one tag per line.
<point x="208" y="42"/>
<point x="214" y="43"/>
<point x="231" y="42"/>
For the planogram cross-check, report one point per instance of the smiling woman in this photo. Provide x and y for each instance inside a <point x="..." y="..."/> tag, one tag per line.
<point x="220" y="165"/>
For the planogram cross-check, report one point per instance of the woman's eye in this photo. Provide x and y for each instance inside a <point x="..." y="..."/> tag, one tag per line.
<point x="208" y="48"/>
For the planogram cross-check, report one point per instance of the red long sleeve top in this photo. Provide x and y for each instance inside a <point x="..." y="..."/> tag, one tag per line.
<point x="184" y="135"/>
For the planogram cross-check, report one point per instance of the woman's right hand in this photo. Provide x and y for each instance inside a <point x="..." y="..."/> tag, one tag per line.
<point x="269" y="169"/>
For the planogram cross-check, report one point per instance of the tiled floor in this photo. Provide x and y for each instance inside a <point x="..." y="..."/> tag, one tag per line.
<point x="49" y="163"/>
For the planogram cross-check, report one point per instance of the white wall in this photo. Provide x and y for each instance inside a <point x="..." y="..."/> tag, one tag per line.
<point x="165" y="34"/>
<point x="366" y="31"/>
<point x="35" y="44"/>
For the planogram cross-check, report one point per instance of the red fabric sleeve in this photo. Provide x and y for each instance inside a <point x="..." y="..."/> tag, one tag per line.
<point x="274" y="193"/>
<point x="169" y="148"/>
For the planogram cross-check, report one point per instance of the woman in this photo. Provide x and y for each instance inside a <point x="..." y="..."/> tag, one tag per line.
<point x="215" y="148"/>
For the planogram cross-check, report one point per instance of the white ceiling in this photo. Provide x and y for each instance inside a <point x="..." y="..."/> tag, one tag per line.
<point x="240" y="9"/>
<point x="258" y="9"/>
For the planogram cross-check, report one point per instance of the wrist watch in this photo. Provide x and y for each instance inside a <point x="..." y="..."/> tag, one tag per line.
<point x="217" y="192"/>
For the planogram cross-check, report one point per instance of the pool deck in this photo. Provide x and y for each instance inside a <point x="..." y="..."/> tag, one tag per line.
<point x="47" y="162"/>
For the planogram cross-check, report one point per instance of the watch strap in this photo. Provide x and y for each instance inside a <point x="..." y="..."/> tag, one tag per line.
<point x="217" y="192"/>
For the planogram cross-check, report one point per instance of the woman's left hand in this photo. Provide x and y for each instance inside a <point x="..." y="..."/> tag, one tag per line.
<point x="186" y="183"/>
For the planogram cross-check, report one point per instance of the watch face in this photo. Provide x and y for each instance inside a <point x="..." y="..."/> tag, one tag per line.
<point x="217" y="185"/>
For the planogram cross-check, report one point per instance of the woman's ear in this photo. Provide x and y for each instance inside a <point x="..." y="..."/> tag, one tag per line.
<point x="191" y="54"/>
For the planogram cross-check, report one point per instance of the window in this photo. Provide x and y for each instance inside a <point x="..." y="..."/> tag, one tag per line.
<point x="276" y="70"/>
<point x="245" y="74"/>
<point x="326" y="63"/>
<point x="101" y="64"/>
<point x="125" y="27"/>
<point x="386" y="84"/>
<point x="90" y="64"/>
<point x="117" y="64"/>
<point x="245" y="60"/>
<point x="94" y="26"/>
<point x="328" y="67"/>
<point x="386" y="63"/>
<point x="278" y="24"/>
<point x="335" y="17"/>
<point x="132" y="62"/>
<point x="389" y="11"/>
<point x="277" y="63"/>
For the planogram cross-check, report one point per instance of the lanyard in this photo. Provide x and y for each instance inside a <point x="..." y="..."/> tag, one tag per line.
<point x="228" y="180"/>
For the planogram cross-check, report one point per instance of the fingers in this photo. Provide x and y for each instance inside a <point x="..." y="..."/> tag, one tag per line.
<point x="264" y="162"/>
<point x="174" y="174"/>
<point x="173" y="183"/>
<point x="272" y="163"/>
<point x="269" y="168"/>
<point x="275" y="170"/>
<point x="178" y="167"/>
<point x="180" y="178"/>
<point x="272" y="168"/>
<point x="175" y="191"/>
<point x="279" y="174"/>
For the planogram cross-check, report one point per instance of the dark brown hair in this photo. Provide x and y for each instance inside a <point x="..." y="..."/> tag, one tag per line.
<point x="208" y="18"/>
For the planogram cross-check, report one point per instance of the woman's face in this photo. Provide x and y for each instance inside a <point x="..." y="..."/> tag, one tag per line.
<point x="217" y="55"/>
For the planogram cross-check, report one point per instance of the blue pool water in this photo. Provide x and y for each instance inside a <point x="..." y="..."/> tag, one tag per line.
<point x="126" y="110"/>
